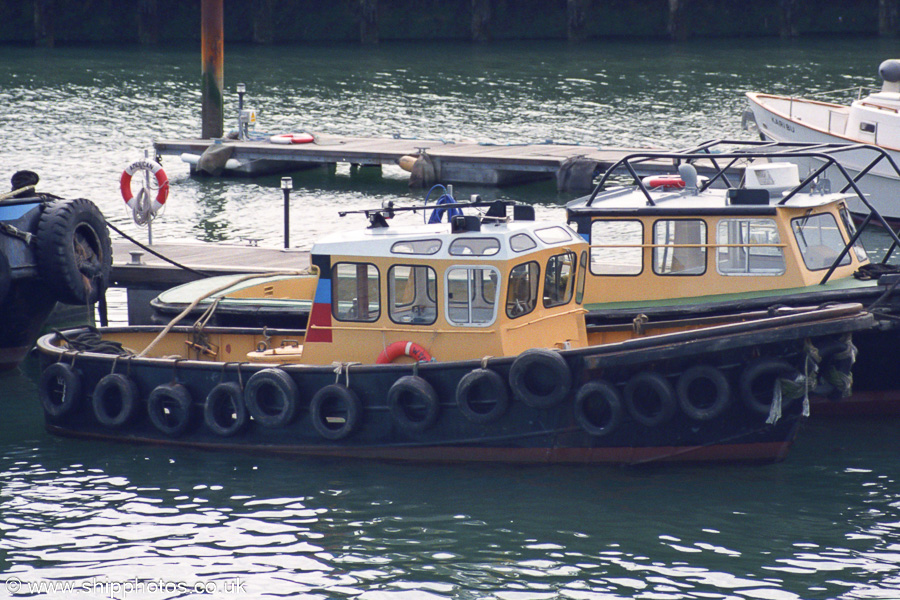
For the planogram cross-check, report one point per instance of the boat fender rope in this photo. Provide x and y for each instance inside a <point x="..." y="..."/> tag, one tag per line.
<point x="345" y="367"/>
<point x="484" y="361"/>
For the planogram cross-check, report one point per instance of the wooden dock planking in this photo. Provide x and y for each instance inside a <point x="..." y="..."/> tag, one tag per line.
<point x="454" y="162"/>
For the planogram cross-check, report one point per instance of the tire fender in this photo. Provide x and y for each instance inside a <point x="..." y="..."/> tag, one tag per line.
<point x="650" y="399"/>
<point x="224" y="412"/>
<point x="478" y="388"/>
<point x="598" y="408"/>
<point x="169" y="409"/>
<point x="272" y="397"/>
<point x="336" y="401"/>
<point x="540" y="378"/>
<point x="74" y="254"/>
<point x="59" y="390"/>
<point x="115" y="400"/>
<point x="408" y="397"/>
<point x="757" y="383"/>
<point x="706" y="379"/>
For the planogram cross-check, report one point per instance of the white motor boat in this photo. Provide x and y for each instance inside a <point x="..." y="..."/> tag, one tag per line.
<point x="873" y="119"/>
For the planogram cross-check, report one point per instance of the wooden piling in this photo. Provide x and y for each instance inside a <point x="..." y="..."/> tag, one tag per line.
<point x="788" y="10"/>
<point x="44" y="12"/>
<point x="263" y="31"/>
<point x="887" y="17"/>
<point x="148" y="22"/>
<point x="481" y="20"/>
<point x="677" y="25"/>
<point x="368" y="21"/>
<point x="576" y="20"/>
<point x="212" y="57"/>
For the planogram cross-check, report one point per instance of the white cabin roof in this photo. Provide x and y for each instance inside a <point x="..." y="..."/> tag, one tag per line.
<point x="498" y="241"/>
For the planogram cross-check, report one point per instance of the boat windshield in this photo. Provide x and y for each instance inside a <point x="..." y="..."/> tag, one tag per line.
<point x="820" y="241"/>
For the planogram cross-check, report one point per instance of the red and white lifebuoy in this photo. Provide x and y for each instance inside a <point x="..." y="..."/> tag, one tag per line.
<point x="292" y="138"/>
<point x="161" y="179"/>
<point x="663" y="181"/>
<point x="398" y="349"/>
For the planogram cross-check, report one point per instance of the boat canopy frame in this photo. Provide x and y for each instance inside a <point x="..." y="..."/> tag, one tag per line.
<point x="732" y="151"/>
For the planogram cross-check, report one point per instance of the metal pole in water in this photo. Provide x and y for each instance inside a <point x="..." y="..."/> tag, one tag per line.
<point x="286" y="185"/>
<point x="212" y="36"/>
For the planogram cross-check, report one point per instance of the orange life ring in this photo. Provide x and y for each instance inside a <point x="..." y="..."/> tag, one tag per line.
<point x="161" y="179"/>
<point x="398" y="349"/>
<point x="664" y="181"/>
<point x="292" y="138"/>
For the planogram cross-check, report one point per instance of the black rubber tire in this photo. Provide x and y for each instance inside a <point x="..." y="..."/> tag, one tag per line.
<point x="598" y="408"/>
<point x="169" y="408"/>
<point x="336" y="401"/>
<point x="478" y="388"/>
<point x="5" y="277"/>
<point x="711" y="382"/>
<point x="271" y="396"/>
<point x="59" y="390"/>
<point x="650" y="399"/>
<point x="414" y="404"/>
<point x="540" y="378"/>
<point x="757" y="383"/>
<point x="74" y="253"/>
<point x="224" y="412"/>
<point x="115" y="400"/>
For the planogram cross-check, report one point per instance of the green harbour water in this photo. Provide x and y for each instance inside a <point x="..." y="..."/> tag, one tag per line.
<point x="97" y="520"/>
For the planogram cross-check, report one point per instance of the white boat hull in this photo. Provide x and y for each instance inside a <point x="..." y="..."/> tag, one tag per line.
<point x="783" y="119"/>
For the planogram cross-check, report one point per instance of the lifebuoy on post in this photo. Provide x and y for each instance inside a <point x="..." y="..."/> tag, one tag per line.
<point x="481" y="396"/>
<point x="59" y="389"/>
<point x="169" y="408"/>
<point x="413" y="403"/>
<point x="404" y="348"/>
<point x="224" y="412"/>
<point x="335" y="411"/>
<point x="161" y="179"/>
<point x="292" y="138"/>
<point x="115" y="400"/>
<point x="271" y="396"/>
<point x="540" y="378"/>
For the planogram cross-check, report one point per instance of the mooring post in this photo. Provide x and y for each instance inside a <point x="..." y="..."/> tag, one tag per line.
<point x="212" y="36"/>
<point x="677" y="25"/>
<point x="576" y="17"/>
<point x="148" y="22"/>
<point x="286" y="185"/>
<point x="887" y="17"/>
<point x="481" y="20"/>
<point x="788" y="22"/>
<point x="263" y="31"/>
<point x="43" y="22"/>
<point x="368" y="21"/>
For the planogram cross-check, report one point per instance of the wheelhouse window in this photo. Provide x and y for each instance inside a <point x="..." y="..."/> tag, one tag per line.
<point x="412" y="294"/>
<point x="559" y="279"/>
<point x="820" y="241"/>
<point x="522" y="296"/>
<point x="616" y="247"/>
<point x="679" y="247"/>
<point x="416" y="247"/>
<point x="355" y="292"/>
<point x="472" y="295"/>
<point x="522" y="242"/>
<point x="748" y="247"/>
<point x="553" y="235"/>
<point x="475" y="247"/>
<point x="861" y="254"/>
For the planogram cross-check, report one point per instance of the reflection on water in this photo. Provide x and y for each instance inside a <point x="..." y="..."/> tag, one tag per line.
<point x="823" y="524"/>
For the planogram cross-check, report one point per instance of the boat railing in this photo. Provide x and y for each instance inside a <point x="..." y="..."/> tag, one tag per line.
<point x="859" y="89"/>
<point x="724" y="154"/>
